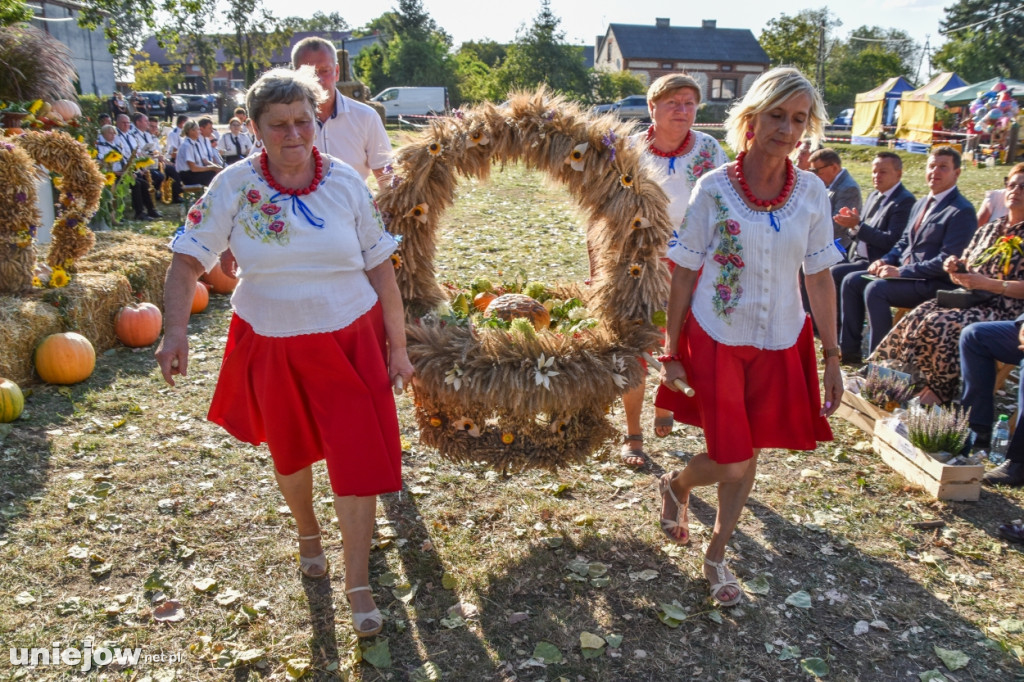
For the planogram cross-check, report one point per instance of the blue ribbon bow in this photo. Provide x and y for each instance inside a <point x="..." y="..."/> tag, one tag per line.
<point x="299" y="207"/>
<point x="774" y="221"/>
<point x="671" y="165"/>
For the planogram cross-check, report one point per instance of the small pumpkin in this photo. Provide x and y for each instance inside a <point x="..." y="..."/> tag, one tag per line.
<point x="65" y="358"/>
<point x="511" y="306"/>
<point x="12" y="402"/>
<point x="138" y="325"/>
<point x="66" y="109"/>
<point x="220" y="282"/>
<point x="201" y="298"/>
<point x="483" y="299"/>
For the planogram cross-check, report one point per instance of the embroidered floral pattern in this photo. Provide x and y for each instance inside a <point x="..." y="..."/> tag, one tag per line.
<point x="702" y="161"/>
<point x="728" y="291"/>
<point x="263" y="220"/>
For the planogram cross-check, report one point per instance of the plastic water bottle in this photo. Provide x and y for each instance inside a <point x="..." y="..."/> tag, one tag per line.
<point x="1000" y="440"/>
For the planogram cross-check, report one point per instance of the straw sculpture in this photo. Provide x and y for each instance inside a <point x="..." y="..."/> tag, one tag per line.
<point x="519" y="400"/>
<point x="80" y="184"/>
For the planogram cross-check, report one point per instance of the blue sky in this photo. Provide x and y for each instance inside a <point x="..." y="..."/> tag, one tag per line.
<point x="582" y="20"/>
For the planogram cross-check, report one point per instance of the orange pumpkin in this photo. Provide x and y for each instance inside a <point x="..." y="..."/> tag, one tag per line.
<point x="66" y="109"/>
<point x="220" y="282"/>
<point x="482" y="300"/>
<point x="12" y="402"/>
<point x="201" y="298"/>
<point x="138" y="325"/>
<point x="65" y="358"/>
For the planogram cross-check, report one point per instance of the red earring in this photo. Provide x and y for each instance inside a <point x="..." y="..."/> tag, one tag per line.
<point x="750" y="133"/>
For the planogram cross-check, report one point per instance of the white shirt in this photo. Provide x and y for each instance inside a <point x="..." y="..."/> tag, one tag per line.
<point x="748" y="293"/>
<point x="294" y="278"/>
<point x="146" y="142"/>
<point x="103" y="148"/>
<point x="678" y="175"/>
<point x="127" y="143"/>
<point x="354" y="134"/>
<point x="232" y="145"/>
<point x="173" y="142"/>
<point x="996" y="201"/>
<point x="209" y="151"/>
<point x="190" y="150"/>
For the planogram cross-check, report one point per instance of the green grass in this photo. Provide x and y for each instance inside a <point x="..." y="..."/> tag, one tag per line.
<point x="127" y="468"/>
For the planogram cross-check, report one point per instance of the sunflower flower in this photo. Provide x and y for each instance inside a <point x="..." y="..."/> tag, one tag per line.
<point x="639" y="222"/>
<point x="36" y="282"/>
<point x="467" y="425"/>
<point x="575" y="159"/>
<point x="59" y="278"/>
<point x="478" y="138"/>
<point x="635" y="270"/>
<point x="626" y="180"/>
<point x="435" y="421"/>
<point x="435" y="148"/>
<point x="35" y="106"/>
<point x="145" y="163"/>
<point x="396" y="260"/>
<point x="112" y="157"/>
<point x="507" y="438"/>
<point x="93" y="153"/>
<point x="109" y="179"/>
<point x="419" y="212"/>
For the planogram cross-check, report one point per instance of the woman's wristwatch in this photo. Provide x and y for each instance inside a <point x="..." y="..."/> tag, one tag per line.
<point x="827" y="353"/>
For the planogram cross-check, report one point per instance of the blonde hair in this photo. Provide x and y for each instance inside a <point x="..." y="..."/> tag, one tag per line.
<point x="771" y="89"/>
<point x="669" y="83"/>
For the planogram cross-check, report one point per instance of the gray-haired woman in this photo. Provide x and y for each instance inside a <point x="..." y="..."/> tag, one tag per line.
<point x="318" y="332"/>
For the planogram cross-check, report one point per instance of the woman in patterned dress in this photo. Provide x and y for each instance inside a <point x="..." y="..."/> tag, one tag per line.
<point x="737" y="332"/>
<point x="318" y="332"/>
<point x="679" y="156"/>
<point x="926" y="341"/>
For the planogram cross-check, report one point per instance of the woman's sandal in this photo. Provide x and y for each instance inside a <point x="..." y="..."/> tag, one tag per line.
<point x="634" y="454"/>
<point x="374" y="617"/>
<point x="721" y="571"/>
<point x="314" y="567"/>
<point x="662" y="422"/>
<point x="669" y="524"/>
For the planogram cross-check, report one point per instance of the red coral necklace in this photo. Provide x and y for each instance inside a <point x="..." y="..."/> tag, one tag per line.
<point x="765" y="203"/>
<point x="274" y="184"/>
<point x="667" y="155"/>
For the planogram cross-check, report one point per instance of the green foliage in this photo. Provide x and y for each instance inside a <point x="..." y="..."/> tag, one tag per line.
<point x="255" y="36"/>
<point x="476" y="80"/>
<point x="320" y="21"/>
<point x="540" y="56"/>
<point x="150" y="76"/>
<point x="938" y="430"/>
<point x="13" y="11"/>
<point x="614" y="85"/>
<point x="124" y="23"/>
<point x="794" y="40"/>
<point x="188" y="40"/>
<point x="992" y="49"/>
<point x="487" y="51"/>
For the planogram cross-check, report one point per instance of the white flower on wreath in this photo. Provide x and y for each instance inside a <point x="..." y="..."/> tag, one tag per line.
<point x="620" y="368"/>
<point x="544" y="371"/>
<point x="454" y="376"/>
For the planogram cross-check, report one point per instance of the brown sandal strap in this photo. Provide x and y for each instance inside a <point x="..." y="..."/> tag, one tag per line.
<point x="635" y="437"/>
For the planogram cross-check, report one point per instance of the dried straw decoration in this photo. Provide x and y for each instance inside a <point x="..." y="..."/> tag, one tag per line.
<point x="509" y="399"/>
<point x="80" y="186"/>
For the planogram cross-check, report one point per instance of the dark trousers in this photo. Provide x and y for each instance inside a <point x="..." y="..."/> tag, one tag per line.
<point x="875" y="298"/>
<point x="839" y="273"/>
<point x="203" y="178"/>
<point x="142" y="202"/>
<point x="981" y="345"/>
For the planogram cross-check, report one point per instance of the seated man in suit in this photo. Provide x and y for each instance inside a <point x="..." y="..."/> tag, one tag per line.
<point x="886" y="213"/>
<point x="941" y="226"/>
<point x="843" y="190"/>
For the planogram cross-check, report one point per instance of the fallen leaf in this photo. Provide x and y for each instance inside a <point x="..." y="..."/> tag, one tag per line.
<point x="553" y="542"/>
<point x="24" y="599"/>
<point x="378" y="655"/>
<point x="814" y="666"/>
<point x="390" y="579"/>
<point x="228" y="597"/>
<point x="715" y="615"/>
<point x="954" y="659"/>
<point x="861" y="627"/>
<point x="448" y="581"/>
<point x="647" y="574"/>
<point x="428" y="672"/>
<point x="879" y="625"/>
<point x="464" y="610"/>
<point x="204" y="585"/>
<point x="801" y="600"/>
<point x="452" y="622"/>
<point x="78" y="553"/>
<point x="757" y="585"/>
<point x="787" y="653"/>
<point x="171" y="611"/>
<point x="404" y="593"/>
<point x="932" y="676"/>
<point x="622" y="483"/>
<point x="296" y="668"/>
<point x="584" y="520"/>
<point x="249" y="656"/>
<point x="547" y="653"/>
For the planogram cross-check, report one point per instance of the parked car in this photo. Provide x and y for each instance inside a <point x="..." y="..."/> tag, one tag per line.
<point x="844" y="120"/>
<point x="201" y="103"/>
<point x="180" y="104"/>
<point x="154" y="101"/>
<point x="599" y="109"/>
<point x="413" y="101"/>
<point x="634" y="106"/>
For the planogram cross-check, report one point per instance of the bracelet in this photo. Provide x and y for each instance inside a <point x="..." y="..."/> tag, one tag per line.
<point x="827" y="353"/>
<point x="670" y="358"/>
<point x="1006" y="283"/>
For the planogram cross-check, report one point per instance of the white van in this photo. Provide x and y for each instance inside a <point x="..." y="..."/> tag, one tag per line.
<point x="417" y="101"/>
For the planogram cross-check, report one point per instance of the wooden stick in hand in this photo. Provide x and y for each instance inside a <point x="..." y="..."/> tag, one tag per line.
<point x="684" y="387"/>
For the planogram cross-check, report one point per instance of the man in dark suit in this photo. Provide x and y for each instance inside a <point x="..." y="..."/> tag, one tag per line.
<point x="886" y="213"/>
<point x="843" y="190"/>
<point x="941" y="225"/>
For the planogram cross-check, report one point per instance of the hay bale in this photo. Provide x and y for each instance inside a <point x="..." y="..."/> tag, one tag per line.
<point x="140" y="258"/>
<point x="24" y="321"/>
<point x="122" y="267"/>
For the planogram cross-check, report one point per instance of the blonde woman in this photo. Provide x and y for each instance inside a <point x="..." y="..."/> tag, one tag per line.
<point x="737" y="332"/>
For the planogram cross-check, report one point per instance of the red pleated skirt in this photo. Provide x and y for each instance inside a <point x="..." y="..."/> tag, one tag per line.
<point x="746" y="398"/>
<point x="316" y="396"/>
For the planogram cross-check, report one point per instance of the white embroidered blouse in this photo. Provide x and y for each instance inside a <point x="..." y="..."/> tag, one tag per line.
<point x="678" y="175"/>
<point x="748" y="293"/>
<point x="302" y="260"/>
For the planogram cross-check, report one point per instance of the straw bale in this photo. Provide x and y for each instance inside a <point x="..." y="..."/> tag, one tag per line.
<point x="91" y="301"/>
<point x="24" y="322"/>
<point x="140" y="258"/>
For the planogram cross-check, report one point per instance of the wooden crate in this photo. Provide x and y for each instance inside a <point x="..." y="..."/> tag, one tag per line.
<point x="944" y="482"/>
<point x="859" y="412"/>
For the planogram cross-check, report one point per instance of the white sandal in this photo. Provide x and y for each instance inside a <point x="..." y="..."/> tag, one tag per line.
<point x="373" y="617"/>
<point x="721" y="570"/>
<point x="681" y="519"/>
<point x="318" y="563"/>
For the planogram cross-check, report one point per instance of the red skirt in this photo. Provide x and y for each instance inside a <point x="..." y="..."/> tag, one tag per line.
<point x="746" y="398"/>
<point x="316" y="396"/>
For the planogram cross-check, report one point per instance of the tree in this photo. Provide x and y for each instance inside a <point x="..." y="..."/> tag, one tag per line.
<point x="476" y="80"/>
<point x="614" y="85"/>
<point x="797" y="40"/>
<point x="187" y="38"/>
<point x="318" y="22"/>
<point x="487" y="51"/>
<point x="540" y="56"/>
<point x="125" y="23"/>
<point x="991" y="48"/>
<point x="13" y="11"/>
<point x="254" y="38"/>
<point x="150" y="76"/>
<point x="868" y="57"/>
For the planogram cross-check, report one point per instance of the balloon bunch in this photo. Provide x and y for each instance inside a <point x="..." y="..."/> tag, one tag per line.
<point x="995" y="110"/>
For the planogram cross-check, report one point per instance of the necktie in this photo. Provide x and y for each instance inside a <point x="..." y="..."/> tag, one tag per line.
<point x="922" y="214"/>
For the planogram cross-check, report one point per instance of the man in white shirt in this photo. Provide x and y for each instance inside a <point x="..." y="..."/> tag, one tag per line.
<point x="174" y="137"/>
<point x="347" y="129"/>
<point x="128" y="143"/>
<point x="149" y="145"/>
<point x="208" y="142"/>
